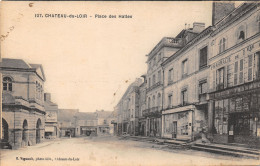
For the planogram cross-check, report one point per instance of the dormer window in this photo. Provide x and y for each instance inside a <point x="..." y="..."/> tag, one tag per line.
<point x="241" y="35"/>
<point x="7" y="84"/>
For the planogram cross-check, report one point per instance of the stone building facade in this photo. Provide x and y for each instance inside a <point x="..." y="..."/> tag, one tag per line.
<point x="154" y="90"/>
<point x="185" y="88"/>
<point x="234" y="77"/>
<point x="23" y="119"/>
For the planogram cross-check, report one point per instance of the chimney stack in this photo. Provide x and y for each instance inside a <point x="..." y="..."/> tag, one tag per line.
<point x="220" y="10"/>
<point x="198" y="27"/>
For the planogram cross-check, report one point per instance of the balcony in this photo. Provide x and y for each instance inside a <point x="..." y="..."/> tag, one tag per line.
<point x="154" y="86"/>
<point x="152" y="112"/>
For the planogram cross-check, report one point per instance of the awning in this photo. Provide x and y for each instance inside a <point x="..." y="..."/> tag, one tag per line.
<point x="179" y="109"/>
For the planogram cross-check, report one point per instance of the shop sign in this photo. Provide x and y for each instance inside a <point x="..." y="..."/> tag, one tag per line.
<point x="228" y="92"/>
<point x="221" y="62"/>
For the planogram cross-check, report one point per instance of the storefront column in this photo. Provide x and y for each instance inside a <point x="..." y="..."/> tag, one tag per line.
<point x="211" y="116"/>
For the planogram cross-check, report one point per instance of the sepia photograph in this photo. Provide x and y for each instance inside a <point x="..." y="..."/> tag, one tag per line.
<point x="129" y="83"/>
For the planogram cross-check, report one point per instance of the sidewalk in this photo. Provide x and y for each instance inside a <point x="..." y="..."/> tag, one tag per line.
<point x="224" y="149"/>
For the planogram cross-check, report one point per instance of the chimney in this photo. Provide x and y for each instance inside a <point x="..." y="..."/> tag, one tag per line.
<point x="198" y="27"/>
<point x="47" y="97"/>
<point x="220" y="10"/>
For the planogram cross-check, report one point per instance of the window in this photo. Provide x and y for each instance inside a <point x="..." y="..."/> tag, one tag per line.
<point x="149" y="82"/>
<point x="229" y="73"/>
<point x="154" y="79"/>
<point x="149" y="102"/>
<point x="250" y="67"/>
<point x="203" y="57"/>
<point x="235" y="73"/>
<point x="222" y="45"/>
<point x="159" y="99"/>
<point x="169" y="100"/>
<point x="7" y="84"/>
<point x="241" y="35"/>
<point x="184" y="68"/>
<point x="220" y="78"/>
<point x="153" y="101"/>
<point x="184" y="97"/>
<point x="159" y="76"/>
<point x="154" y="60"/>
<point x="241" y="71"/>
<point x="257" y="64"/>
<point x="203" y="87"/>
<point x="170" y="76"/>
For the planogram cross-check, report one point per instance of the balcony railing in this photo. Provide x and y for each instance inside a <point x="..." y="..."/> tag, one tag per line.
<point x="154" y="86"/>
<point x="154" y="111"/>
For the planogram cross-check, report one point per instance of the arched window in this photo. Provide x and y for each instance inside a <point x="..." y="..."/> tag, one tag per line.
<point x="7" y="84"/>
<point x="222" y="45"/>
<point x="241" y="35"/>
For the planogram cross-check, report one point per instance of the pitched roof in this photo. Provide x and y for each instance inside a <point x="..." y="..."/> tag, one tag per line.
<point x="14" y="63"/>
<point x="21" y="64"/>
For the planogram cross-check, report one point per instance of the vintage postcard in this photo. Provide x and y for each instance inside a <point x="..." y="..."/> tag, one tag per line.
<point x="130" y="83"/>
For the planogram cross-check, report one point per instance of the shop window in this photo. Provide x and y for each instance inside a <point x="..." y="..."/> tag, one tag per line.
<point x="184" y="68"/>
<point x="221" y="116"/>
<point x="203" y="57"/>
<point x="222" y="45"/>
<point x="220" y="78"/>
<point x="7" y="84"/>
<point x="184" y="97"/>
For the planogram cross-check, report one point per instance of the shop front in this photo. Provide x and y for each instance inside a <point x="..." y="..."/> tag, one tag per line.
<point x="236" y="114"/>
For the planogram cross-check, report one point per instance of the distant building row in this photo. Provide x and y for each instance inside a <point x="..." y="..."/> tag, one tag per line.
<point x="204" y="79"/>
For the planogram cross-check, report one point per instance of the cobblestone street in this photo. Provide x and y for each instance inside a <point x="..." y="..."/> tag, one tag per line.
<point x="111" y="151"/>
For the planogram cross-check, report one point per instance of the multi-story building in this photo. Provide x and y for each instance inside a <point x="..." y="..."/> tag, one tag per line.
<point x="142" y="106"/>
<point x="51" y="121"/>
<point x="166" y="47"/>
<point x="162" y="51"/>
<point x="128" y="108"/>
<point x="23" y="103"/>
<point x="185" y="87"/>
<point x="234" y="100"/>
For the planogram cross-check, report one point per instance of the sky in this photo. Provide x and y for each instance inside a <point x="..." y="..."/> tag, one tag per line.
<point x="90" y="62"/>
